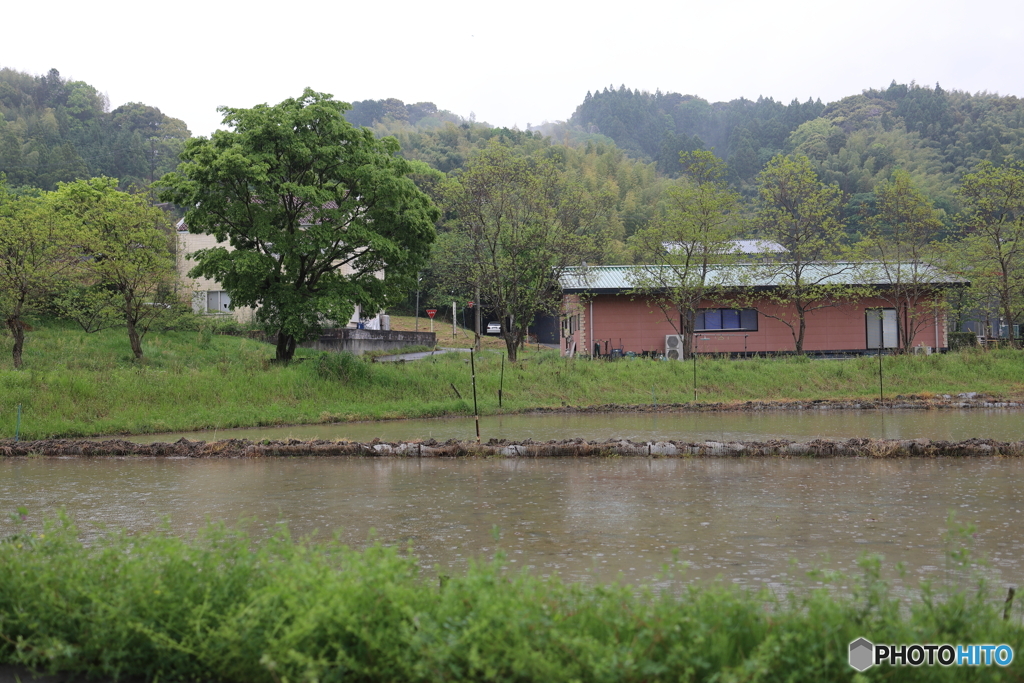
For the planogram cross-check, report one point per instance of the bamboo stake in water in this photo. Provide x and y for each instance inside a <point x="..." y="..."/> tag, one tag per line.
<point x="476" y="412"/>
<point x="881" y="396"/>
<point x="693" y="354"/>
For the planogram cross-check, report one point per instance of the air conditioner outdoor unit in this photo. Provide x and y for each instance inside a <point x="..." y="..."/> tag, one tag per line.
<point x="674" y="346"/>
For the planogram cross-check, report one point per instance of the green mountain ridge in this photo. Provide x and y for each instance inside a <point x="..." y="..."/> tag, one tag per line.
<point x="935" y="134"/>
<point x="53" y="129"/>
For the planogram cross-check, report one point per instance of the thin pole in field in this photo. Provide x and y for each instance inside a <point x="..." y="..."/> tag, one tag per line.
<point x="501" y="382"/>
<point x="881" y="344"/>
<point x="881" y="397"/>
<point x="17" y="425"/>
<point x="476" y="319"/>
<point x="693" y="355"/>
<point x="476" y="412"/>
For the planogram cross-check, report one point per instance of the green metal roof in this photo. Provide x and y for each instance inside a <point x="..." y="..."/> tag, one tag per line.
<point x="611" y="279"/>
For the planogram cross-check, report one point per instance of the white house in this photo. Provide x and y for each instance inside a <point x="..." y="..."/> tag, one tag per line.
<point x="208" y="296"/>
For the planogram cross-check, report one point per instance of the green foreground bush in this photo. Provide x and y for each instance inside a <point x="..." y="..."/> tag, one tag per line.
<point x="225" y="608"/>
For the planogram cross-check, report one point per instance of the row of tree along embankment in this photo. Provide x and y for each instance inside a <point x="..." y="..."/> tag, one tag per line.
<point x="244" y="448"/>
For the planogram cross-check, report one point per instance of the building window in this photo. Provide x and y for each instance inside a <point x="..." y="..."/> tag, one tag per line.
<point x="882" y="328"/>
<point x="715" y="319"/>
<point x="218" y="302"/>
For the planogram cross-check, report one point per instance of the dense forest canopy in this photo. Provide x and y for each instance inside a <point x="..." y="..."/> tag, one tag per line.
<point x="57" y="130"/>
<point x="422" y="114"/>
<point x="936" y="135"/>
<point x="623" y="144"/>
<point x="660" y="125"/>
<point x="53" y="129"/>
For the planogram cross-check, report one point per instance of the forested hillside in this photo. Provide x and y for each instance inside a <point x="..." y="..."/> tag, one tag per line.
<point x="422" y="114"/>
<point x="935" y="134"/>
<point x="53" y="130"/>
<point x="622" y="192"/>
<point x="659" y="126"/>
<point x="856" y="142"/>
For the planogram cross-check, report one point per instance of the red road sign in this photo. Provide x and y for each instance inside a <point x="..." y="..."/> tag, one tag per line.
<point x="431" y="312"/>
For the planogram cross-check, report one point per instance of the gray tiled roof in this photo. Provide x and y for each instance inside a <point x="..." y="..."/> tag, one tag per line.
<point x="621" y="278"/>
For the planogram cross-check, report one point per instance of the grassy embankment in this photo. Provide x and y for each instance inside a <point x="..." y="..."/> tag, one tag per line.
<point x="75" y="384"/>
<point x="224" y="608"/>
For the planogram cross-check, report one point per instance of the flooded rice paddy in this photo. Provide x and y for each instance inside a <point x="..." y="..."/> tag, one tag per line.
<point x="748" y="521"/>
<point x="1002" y="424"/>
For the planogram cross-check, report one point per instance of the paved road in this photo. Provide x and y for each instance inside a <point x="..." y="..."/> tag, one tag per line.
<point x="417" y="355"/>
<point x="427" y="354"/>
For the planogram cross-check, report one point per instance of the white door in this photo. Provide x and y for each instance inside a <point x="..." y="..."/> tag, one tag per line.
<point x="882" y="328"/>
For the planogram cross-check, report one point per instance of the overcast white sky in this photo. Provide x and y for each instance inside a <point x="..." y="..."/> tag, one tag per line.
<point x="510" y="63"/>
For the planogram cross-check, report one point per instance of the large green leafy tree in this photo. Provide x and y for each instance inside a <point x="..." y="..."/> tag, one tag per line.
<point x="800" y="213"/>
<point x="902" y="244"/>
<point x="311" y="210"/>
<point x="681" y="249"/>
<point x="993" y="199"/>
<point x="517" y="225"/>
<point x="40" y="254"/>
<point x="128" y="275"/>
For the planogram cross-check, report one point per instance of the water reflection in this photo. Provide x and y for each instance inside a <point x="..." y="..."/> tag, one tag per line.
<point x="743" y="519"/>
<point x="954" y="424"/>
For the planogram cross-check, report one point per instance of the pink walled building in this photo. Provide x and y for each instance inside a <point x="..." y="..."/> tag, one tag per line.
<point x="607" y="313"/>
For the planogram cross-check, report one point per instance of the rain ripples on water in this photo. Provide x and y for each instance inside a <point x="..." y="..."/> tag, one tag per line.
<point x="947" y="424"/>
<point x="751" y="521"/>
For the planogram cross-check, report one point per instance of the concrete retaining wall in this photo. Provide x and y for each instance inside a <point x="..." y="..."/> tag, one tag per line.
<point x="244" y="448"/>
<point x="360" y="341"/>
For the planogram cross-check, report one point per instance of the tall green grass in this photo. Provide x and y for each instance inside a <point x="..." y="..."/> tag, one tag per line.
<point x="226" y="608"/>
<point x="75" y="384"/>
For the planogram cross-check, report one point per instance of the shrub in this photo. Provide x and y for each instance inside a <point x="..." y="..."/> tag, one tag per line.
<point x="225" y="608"/>
<point x="341" y="367"/>
<point x="960" y="340"/>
